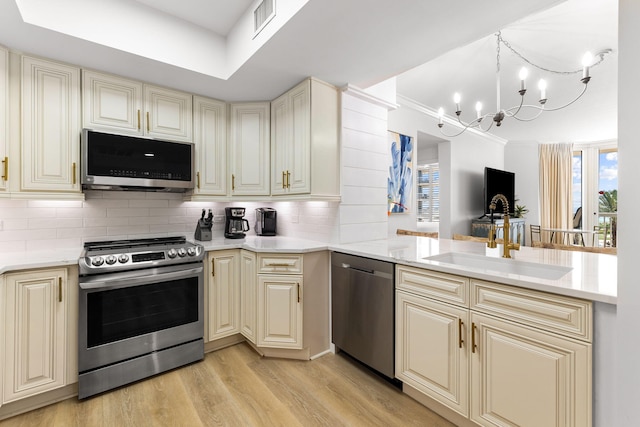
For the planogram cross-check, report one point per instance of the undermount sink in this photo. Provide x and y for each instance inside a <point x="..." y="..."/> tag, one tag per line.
<point x="508" y="266"/>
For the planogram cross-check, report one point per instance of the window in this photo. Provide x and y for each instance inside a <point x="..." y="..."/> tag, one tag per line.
<point x="429" y="193"/>
<point x="595" y="188"/>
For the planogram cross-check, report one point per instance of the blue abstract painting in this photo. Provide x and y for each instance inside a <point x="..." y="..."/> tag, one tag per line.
<point x="400" y="178"/>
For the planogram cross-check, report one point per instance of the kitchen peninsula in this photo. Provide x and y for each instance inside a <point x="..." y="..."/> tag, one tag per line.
<point x="586" y="278"/>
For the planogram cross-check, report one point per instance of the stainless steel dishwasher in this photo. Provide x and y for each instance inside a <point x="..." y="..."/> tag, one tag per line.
<point x="363" y="310"/>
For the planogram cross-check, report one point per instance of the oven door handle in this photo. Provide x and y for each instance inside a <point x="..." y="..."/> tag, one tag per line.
<point x="140" y="278"/>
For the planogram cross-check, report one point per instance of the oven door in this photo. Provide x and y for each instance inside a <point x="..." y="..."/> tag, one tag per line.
<point x="127" y="314"/>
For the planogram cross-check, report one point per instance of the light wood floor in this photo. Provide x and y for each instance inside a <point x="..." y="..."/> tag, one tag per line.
<point x="236" y="387"/>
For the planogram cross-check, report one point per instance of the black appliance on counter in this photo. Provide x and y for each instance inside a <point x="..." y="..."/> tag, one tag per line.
<point x="266" y="222"/>
<point x="235" y="224"/>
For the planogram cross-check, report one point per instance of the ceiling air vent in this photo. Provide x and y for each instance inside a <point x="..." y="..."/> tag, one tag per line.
<point x="264" y="13"/>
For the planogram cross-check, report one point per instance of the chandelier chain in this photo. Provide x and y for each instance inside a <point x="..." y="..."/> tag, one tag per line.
<point x="508" y="45"/>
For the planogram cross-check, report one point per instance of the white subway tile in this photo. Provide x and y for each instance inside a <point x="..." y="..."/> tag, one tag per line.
<point x="149" y="203"/>
<point x="127" y="212"/>
<point x="128" y="229"/>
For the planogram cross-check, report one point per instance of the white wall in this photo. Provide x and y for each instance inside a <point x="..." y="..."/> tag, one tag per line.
<point x="365" y="162"/>
<point x="462" y="160"/>
<point x="521" y="157"/>
<point x="627" y="371"/>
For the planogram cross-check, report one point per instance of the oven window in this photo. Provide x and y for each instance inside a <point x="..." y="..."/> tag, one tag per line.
<point x="117" y="314"/>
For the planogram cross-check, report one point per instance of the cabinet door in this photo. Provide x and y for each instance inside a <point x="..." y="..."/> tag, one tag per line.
<point x="249" y="149"/>
<point x="280" y="311"/>
<point x="523" y="377"/>
<point x="224" y="294"/>
<point x="248" y="295"/>
<point x="4" y="120"/>
<point x="111" y="103"/>
<point x="432" y="349"/>
<point x="50" y="126"/>
<point x="291" y="141"/>
<point x="210" y="136"/>
<point x="35" y="333"/>
<point x="168" y="114"/>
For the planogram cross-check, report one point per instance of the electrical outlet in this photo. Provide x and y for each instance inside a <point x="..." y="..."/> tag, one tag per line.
<point x="1" y="225"/>
<point x="218" y="218"/>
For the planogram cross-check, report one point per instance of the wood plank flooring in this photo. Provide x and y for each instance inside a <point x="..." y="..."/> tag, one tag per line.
<point x="236" y="387"/>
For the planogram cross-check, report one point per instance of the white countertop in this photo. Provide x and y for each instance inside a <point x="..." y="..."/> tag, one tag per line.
<point x="592" y="276"/>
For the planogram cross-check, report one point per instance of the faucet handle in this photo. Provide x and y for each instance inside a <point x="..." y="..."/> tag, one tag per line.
<point x="492" y="237"/>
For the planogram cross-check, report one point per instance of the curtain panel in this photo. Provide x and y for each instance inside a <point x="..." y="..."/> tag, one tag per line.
<point x="555" y="187"/>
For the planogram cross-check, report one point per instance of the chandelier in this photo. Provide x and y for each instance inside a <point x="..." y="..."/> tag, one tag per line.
<point x="514" y="112"/>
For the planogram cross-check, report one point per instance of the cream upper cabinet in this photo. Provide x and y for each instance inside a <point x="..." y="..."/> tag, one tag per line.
<point x="304" y="141"/>
<point x="248" y="296"/>
<point x="115" y="104"/>
<point x="36" y="316"/>
<point x="210" y="137"/>
<point x="223" y="294"/>
<point x="50" y="126"/>
<point x="249" y="149"/>
<point x="4" y="118"/>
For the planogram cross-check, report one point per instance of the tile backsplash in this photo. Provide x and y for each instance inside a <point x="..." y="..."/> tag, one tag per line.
<point x="107" y="215"/>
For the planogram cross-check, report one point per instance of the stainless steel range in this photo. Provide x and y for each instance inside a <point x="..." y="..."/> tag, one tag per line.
<point x="140" y="311"/>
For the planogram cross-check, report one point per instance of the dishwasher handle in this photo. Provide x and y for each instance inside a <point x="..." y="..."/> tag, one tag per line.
<point x="362" y="270"/>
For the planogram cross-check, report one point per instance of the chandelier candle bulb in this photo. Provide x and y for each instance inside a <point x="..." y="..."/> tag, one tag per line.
<point x="523" y="76"/>
<point x="542" y="85"/>
<point x="479" y="110"/>
<point x="587" y="61"/>
<point x="440" y="116"/>
<point x="456" y="100"/>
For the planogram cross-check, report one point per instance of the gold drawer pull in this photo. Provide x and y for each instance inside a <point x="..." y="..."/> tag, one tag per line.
<point x="138" y="119"/>
<point x="59" y="289"/>
<point x="473" y="338"/>
<point x="74" y="172"/>
<point x="148" y="124"/>
<point x="198" y="179"/>
<point x="279" y="265"/>
<point x="460" y="340"/>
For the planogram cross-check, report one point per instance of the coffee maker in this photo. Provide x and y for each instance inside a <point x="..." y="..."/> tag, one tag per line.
<point x="265" y="222"/>
<point x="235" y="224"/>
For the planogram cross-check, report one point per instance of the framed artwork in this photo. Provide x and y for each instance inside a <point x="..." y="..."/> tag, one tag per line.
<point x="400" y="178"/>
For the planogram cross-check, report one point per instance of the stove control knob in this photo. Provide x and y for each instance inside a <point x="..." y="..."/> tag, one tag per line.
<point x="123" y="258"/>
<point x="111" y="259"/>
<point x="191" y="251"/>
<point x="97" y="261"/>
<point x="172" y="253"/>
<point x="182" y="252"/>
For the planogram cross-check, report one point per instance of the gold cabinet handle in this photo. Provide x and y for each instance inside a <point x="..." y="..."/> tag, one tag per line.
<point x="233" y="182"/>
<point x="460" y="340"/>
<point x="473" y="338"/>
<point x="198" y="180"/>
<point x="288" y="179"/>
<point x="5" y="169"/>
<point x="59" y="289"/>
<point x="138" y="119"/>
<point x="284" y="180"/>
<point x="73" y="172"/>
<point x="148" y="124"/>
<point x="213" y="267"/>
<point x="298" y="291"/>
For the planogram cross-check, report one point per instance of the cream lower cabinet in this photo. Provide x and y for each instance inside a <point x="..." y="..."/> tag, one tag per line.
<point x="248" y="296"/>
<point x="432" y="349"/>
<point x="280" y="311"/>
<point x="497" y="355"/>
<point x="40" y="332"/>
<point x="223" y="286"/>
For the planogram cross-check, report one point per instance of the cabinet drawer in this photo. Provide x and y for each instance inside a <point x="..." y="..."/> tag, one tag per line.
<point x="276" y="263"/>
<point x="445" y="287"/>
<point x="567" y="316"/>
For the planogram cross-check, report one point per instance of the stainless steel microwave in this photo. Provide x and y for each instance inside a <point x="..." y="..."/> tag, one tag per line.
<point x="120" y="162"/>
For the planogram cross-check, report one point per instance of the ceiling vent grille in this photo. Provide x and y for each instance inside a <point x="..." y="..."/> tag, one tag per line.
<point x="262" y="14"/>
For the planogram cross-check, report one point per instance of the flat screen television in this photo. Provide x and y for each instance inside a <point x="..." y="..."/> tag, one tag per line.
<point x="497" y="181"/>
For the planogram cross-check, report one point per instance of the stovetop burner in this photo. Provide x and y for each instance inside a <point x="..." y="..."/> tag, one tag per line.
<point x="121" y="255"/>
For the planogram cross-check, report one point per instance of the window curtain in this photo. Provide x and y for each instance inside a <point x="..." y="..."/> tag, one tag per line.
<point x="555" y="187"/>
